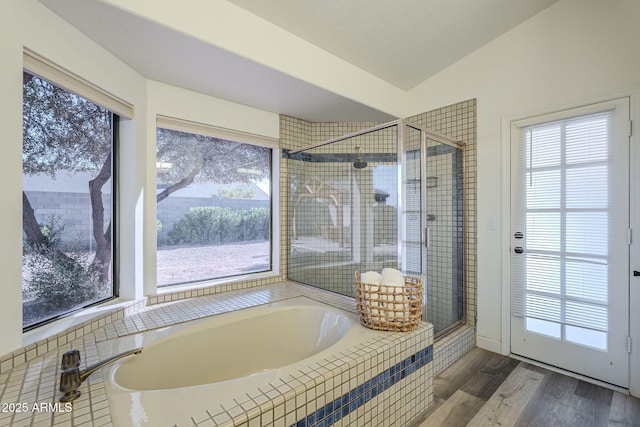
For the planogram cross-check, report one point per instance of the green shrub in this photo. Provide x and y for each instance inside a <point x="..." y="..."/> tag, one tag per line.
<point x="215" y="225"/>
<point x="52" y="232"/>
<point x="56" y="283"/>
<point x="58" y="279"/>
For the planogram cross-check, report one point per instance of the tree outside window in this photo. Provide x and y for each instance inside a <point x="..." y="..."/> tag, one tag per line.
<point x="67" y="201"/>
<point x="214" y="207"/>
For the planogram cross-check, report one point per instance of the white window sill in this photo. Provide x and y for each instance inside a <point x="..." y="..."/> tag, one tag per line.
<point x="72" y="320"/>
<point x="228" y="281"/>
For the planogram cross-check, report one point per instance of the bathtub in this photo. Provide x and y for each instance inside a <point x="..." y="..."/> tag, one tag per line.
<point x="217" y="362"/>
<point x="234" y="346"/>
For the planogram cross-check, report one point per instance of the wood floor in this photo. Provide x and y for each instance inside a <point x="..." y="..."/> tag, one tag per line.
<point x="487" y="389"/>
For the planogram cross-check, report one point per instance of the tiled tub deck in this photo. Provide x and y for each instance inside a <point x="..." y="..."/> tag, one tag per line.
<point x="381" y="382"/>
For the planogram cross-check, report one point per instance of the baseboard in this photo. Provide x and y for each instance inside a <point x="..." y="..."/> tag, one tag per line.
<point x="489" y="344"/>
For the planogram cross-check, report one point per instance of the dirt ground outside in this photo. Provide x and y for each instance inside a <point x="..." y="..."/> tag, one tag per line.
<point x="178" y="264"/>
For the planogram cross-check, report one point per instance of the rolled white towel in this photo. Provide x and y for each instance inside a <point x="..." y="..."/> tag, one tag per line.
<point x="371" y="281"/>
<point x="394" y="280"/>
<point x="371" y="278"/>
<point x="374" y="306"/>
<point x="392" y="277"/>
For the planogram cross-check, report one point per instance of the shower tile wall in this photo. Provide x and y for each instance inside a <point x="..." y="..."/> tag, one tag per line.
<point x="459" y="122"/>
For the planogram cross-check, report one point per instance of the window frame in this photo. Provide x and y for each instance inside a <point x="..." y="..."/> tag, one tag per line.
<point x="273" y="144"/>
<point x="59" y="77"/>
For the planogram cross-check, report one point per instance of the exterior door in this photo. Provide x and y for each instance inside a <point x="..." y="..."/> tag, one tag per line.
<point x="570" y="240"/>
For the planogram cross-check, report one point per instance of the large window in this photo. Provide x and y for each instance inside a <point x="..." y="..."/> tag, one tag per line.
<point x="214" y="207"/>
<point x="68" y="195"/>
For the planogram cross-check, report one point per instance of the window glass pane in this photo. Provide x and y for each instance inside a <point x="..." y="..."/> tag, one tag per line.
<point x="543" y="273"/>
<point x="587" y="139"/>
<point x="67" y="200"/>
<point x="586" y="337"/>
<point x="587" y="187"/>
<point x="586" y="315"/>
<point x="543" y="231"/>
<point x="542" y="145"/>
<point x="587" y="233"/>
<point x="587" y="279"/>
<point x="542" y="307"/>
<point x="550" y="329"/>
<point x="543" y="189"/>
<point x="214" y="207"/>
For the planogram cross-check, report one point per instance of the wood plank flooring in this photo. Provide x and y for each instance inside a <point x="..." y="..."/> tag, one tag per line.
<point x="486" y="389"/>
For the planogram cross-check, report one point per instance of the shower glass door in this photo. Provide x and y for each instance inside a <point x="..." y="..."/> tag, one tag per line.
<point x="443" y="212"/>
<point x="433" y="238"/>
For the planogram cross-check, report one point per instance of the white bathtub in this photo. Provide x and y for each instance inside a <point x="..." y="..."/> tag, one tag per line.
<point x="234" y="346"/>
<point x="188" y="368"/>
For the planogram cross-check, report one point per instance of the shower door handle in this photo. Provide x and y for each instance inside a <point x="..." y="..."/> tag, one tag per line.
<point x="427" y="237"/>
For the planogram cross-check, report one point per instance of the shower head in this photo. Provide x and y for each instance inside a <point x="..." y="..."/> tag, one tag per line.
<point x="360" y="163"/>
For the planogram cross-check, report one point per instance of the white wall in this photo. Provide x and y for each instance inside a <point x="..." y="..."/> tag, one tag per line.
<point x="26" y="23"/>
<point x="574" y="52"/>
<point x="10" y="176"/>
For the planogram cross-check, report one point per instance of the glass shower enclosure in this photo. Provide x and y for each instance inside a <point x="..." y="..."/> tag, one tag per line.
<point x="433" y="212"/>
<point x="387" y="196"/>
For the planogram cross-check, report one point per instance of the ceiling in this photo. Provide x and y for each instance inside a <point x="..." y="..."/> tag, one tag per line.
<point x="404" y="42"/>
<point x="401" y="42"/>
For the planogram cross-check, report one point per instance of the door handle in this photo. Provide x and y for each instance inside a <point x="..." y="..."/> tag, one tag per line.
<point x="636" y="273"/>
<point x="427" y="237"/>
<point x="518" y="250"/>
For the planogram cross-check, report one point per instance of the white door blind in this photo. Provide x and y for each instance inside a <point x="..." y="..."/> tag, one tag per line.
<point x="560" y="261"/>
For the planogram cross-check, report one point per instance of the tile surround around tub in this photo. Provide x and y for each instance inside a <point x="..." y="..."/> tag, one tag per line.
<point x="31" y="351"/>
<point x="35" y="380"/>
<point x="451" y="347"/>
<point x="335" y="410"/>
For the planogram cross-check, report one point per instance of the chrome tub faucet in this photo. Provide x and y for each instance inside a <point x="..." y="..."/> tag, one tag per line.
<point x="72" y="376"/>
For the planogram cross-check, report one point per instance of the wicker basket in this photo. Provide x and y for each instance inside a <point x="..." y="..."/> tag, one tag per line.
<point x="390" y="308"/>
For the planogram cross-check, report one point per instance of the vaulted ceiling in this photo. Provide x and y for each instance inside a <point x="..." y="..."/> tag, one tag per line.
<point x="330" y="60"/>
